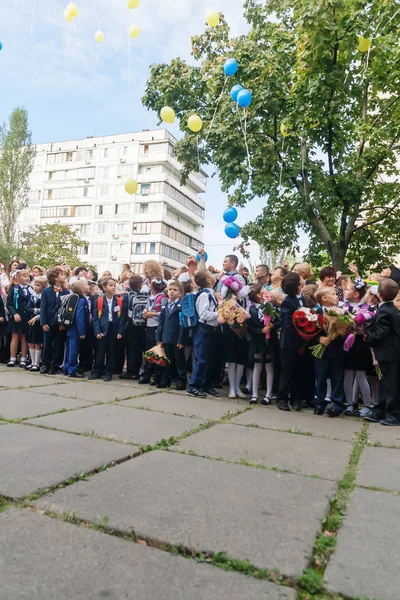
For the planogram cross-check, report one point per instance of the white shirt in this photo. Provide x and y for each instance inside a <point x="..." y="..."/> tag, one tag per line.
<point x="206" y="306"/>
<point x="110" y="303"/>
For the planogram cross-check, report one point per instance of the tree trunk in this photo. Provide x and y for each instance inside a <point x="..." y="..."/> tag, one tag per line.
<point x="338" y="253"/>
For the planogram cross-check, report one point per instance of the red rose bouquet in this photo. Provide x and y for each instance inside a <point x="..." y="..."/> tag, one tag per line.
<point x="157" y="356"/>
<point x="307" y="322"/>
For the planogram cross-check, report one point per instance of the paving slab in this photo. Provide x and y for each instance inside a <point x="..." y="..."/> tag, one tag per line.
<point x="121" y="423"/>
<point x="20" y="404"/>
<point x="272" y="418"/>
<point x="187" y="406"/>
<point x="267" y="517"/>
<point x="22" y="379"/>
<point x="32" y="458"/>
<point x="92" y="392"/>
<point x="364" y="563"/>
<point x="307" y="455"/>
<point x="380" y="467"/>
<point x="47" y="559"/>
<point x="386" y="436"/>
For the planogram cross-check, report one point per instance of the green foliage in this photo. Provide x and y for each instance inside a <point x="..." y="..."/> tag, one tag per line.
<point x="16" y="163"/>
<point x="47" y="245"/>
<point x="334" y="174"/>
<point x="311" y="581"/>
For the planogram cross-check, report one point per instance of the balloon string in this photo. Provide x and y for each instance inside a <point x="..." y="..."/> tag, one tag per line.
<point x="97" y="59"/>
<point x="78" y="42"/>
<point x="216" y="108"/>
<point x="32" y="17"/>
<point x="198" y="154"/>
<point x="96" y="14"/>
<point x="118" y="48"/>
<point x="129" y="60"/>
<point x="244" y="130"/>
<point x="66" y="40"/>
<point x="281" y="170"/>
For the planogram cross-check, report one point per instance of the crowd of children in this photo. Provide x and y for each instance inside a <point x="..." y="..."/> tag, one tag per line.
<point x="212" y="328"/>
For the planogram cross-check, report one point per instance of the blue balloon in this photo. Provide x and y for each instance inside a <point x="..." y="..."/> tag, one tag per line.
<point x="244" y="98"/>
<point x="230" y="67"/>
<point x="1" y="46"/>
<point x="232" y="230"/>
<point x="198" y="257"/>
<point x="235" y="90"/>
<point x="230" y="214"/>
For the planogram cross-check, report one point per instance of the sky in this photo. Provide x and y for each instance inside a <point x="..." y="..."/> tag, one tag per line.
<point x="53" y="70"/>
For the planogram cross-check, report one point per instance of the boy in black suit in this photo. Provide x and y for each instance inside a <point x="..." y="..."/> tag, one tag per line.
<point x="107" y="328"/>
<point x="135" y="332"/>
<point x="169" y="336"/>
<point x="385" y="340"/>
<point x="291" y="343"/>
<point x="53" y="339"/>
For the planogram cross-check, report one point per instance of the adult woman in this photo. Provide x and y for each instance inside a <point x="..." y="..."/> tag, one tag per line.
<point x="304" y="270"/>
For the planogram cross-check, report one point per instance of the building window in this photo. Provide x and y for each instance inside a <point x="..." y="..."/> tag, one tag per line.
<point x="152" y="248"/>
<point x="105" y="154"/>
<point x="148" y="169"/>
<point x="146" y="149"/>
<point x="144" y="209"/>
<point x="85" y="192"/>
<point x="70" y="156"/>
<point x="104" y="190"/>
<point x="125" y="150"/>
<point x="83" y="249"/>
<point x="145" y="248"/>
<point x="102" y="227"/>
<point x="84" y="211"/>
<point x="138" y="246"/>
<point x="84" y="230"/>
<point x="145" y="189"/>
<point x="101" y="209"/>
<point x="50" y="176"/>
<point x="89" y="154"/>
<point x="57" y="211"/>
<point x="116" y="209"/>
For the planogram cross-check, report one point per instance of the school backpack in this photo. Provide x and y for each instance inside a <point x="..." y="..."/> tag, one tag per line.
<point x="67" y="311"/>
<point x="189" y="318"/>
<point x="137" y="306"/>
<point x="100" y="304"/>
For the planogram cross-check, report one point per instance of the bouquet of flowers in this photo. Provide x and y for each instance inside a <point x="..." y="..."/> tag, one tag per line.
<point x="307" y="322"/>
<point x="268" y="311"/>
<point x="232" y="284"/>
<point x="157" y="356"/>
<point x="231" y="313"/>
<point x="362" y="321"/>
<point x="337" y="321"/>
<point x="213" y="270"/>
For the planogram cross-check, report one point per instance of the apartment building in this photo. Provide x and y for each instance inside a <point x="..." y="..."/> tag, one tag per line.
<point x="81" y="183"/>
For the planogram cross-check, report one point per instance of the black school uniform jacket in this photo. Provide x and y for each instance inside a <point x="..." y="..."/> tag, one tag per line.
<point x="17" y="302"/>
<point x="169" y="330"/>
<point x="385" y="334"/>
<point x="290" y="339"/>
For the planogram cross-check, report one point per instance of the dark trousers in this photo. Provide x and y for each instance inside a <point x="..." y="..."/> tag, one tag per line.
<point x="135" y="346"/>
<point x="72" y="347"/>
<point x="289" y="376"/>
<point x="53" y="347"/>
<point x="218" y="374"/>
<point x="389" y="391"/>
<point x="176" y="357"/>
<point x="120" y="355"/>
<point x="204" y="354"/>
<point x="87" y="352"/>
<point x="333" y="368"/>
<point x="106" y="349"/>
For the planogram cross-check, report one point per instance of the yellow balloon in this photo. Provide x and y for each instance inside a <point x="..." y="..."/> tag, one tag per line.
<point x="99" y="36"/>
<point x="212" y="18"/>
<point x="131" y="186"/>
<point x="314" y="124"/>
<point x="73" y="9"/>
<point x="67" y="16"/>
<point x="364" y="44"/>
<point x="285" y="129"/>
<point x="195" y="123"/>
<point x="134" y="31"/>
<point x="133" y="3"/>
<point x="167" y="114"/>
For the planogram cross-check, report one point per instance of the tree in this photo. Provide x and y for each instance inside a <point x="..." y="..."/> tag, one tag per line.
<point x="16" y="163"/>
<point x="47" y="245"/>
<point x="319" y="140"/>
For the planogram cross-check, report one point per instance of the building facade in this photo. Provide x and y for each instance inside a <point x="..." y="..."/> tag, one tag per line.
<point x="81" y="183"/>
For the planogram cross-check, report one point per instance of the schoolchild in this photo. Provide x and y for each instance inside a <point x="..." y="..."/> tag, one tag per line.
<point x="17" y="305"/>
<point x="4" y="333"/>
<point x="134" y="327"/>
<point x="76" y="333"/>
<point x="107" y="328"/>
<point x="152" y="373"/>
<point x="35" y="333"/>
<point x="170" y="337"/>
<point x="53" y="346"/>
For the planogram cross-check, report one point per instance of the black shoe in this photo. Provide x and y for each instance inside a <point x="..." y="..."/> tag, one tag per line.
<point x="107" y="378"/>
<point x="94" y="376"/>
<point x="34" y="369"/>
<point x="319" y="410"/>
<point x="211" y="392"/>
<point x="296" y="405"/>
<point x="266" y="401"/>
<point x="126" y="376"/>
<point x="180" y="387"/>
<point x="334" y="412"/>
<point x="11" y="364"/>
<point x="282" y="405"/>
<point x="162" y="386"/>
<point x="196" y="393"/>
<point x="390" y="422"/>
<point x="374" y="417"/>
<point x="247" y="391"/>
<point x="76" y="375"/>
<point x="53" y="371"/>
<point x="253" y="400"/>
<point x="44" y="370"/>
<point x="217" y="386"/>
<point x="144" y="380"/>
